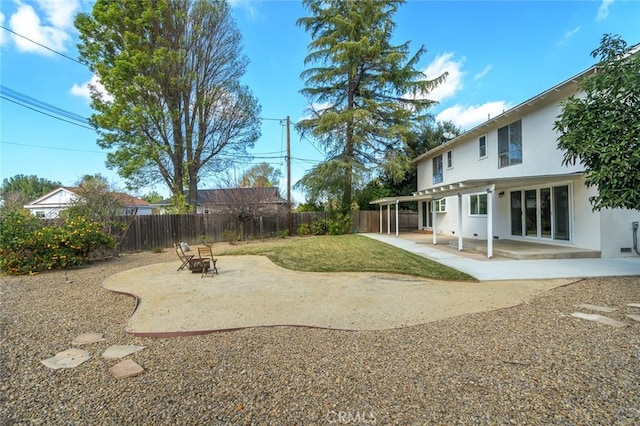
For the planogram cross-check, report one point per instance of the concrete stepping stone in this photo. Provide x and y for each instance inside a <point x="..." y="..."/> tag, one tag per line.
<point x="596" y="308"/>
<point x="67" y="359"/>
<point x="598" y="318"/>
<point x="126" y="368"/>
<point x="634" y="317"/>
<point x="85" y="339"/>
<point x="120" y="351"/>
<point x="633" y="305"/>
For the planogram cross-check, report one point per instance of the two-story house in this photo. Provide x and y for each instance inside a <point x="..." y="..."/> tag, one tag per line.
<point x="504" y="179"/>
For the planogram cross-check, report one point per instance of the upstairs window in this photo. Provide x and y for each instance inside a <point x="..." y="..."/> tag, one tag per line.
<point x="478" y="204"/>
<point x="437" y="169"/>
<point x="482" y="146"/>
<point x="510" y="144"/>
<point x="449" y="159"/>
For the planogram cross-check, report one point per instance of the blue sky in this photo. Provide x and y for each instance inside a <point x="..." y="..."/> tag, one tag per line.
<point x="498" y="54"/>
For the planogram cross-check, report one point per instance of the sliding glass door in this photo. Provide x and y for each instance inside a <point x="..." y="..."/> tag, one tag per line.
<point x="541" y="213"/>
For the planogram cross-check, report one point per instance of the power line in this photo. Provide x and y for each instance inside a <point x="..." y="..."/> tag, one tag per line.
<point x="20" y="97"/>
<point x="44" y="113"/>
<point x="51" y="147"/>
<point x="43" y="46"/>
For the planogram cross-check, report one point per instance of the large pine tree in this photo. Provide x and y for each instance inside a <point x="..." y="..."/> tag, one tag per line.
<point x="366" y="95"/>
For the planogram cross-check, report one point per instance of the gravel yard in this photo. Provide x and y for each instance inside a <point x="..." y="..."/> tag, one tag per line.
<point x="530" y="364"/>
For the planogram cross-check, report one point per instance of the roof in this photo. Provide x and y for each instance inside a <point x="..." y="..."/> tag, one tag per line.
<point x="266" y="195"/>
<point x="126" y="199"/>
<point x="554" y="94"/>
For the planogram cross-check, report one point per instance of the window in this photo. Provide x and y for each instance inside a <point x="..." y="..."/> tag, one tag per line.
<point x="510" y="144"/>
<point x="437" y="169"/>
<point x="482" y="146"/>
<point x="478" y="204"/>
<point x="40" y="214"/>
<point x="440" y="205"/>
<point x="449" y="159"/>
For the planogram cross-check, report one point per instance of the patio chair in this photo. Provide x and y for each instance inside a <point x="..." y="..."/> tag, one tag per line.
<point x="184" y="258"/>
<point x="206" y="253"/>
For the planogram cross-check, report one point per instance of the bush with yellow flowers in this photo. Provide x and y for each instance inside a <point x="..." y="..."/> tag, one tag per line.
<point x="29" y="246"/>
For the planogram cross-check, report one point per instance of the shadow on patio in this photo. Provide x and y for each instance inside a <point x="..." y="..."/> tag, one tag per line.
<point x="505" y="248"/>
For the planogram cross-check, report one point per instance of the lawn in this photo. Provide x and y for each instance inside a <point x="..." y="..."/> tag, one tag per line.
<point x="349" y="253"/>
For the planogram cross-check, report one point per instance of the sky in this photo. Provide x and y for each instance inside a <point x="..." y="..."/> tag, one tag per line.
<point x="498" y="54"/>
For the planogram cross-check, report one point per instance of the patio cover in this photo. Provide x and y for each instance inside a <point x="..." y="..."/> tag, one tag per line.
<point x="471" y="186"/>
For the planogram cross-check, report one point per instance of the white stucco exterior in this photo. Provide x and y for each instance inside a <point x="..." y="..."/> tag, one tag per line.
<point x="533" y="196"/>
<point x="50" y="205"/>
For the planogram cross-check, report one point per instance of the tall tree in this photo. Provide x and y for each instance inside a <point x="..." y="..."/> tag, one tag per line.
<point x="600" y="127"/>
<point x="21" y="189"/>
<point x="261" y="175"/>
<point x="175" y="105"/>
<point x="365" y="92"/>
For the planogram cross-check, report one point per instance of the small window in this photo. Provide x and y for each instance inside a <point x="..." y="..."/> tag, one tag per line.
<point x="437" y="169"/>
<point x="449" y="159"/>
<point x="40" y="214"/>
<point x="478" y="204"/>
<point x="482" y="146"/>
<point x="440" y="205"/>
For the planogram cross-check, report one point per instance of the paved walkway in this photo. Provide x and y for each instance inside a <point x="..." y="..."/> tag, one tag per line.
<point x="508" y="269"/>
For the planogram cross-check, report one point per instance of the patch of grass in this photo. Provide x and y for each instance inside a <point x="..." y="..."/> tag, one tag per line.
<point x="350" y="253"/>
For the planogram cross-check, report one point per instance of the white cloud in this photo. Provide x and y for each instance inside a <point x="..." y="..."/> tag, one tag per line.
<point x="453" y="82"/>
<point x="571" y="33"/>
<point x="48" y="25"/>
<point x="603" y="10"/>
<point x="84" y="90"/>
<point x="469" y="116"/>
<point x="60" y="13"/>
<point x="246" y="5"/>
<point x="484" y="72"/>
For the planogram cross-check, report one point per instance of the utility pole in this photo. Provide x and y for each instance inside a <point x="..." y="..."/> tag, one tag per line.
<point x="289" y="217"/>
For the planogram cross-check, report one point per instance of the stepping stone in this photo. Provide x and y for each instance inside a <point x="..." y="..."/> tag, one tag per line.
<point x="633" y="305"/>
<point x="120" y="351"/>
<point x="596" y="308"/>
<point x="598" y="318"/>
<point x="85" y="339"/>
<point x="67" y="359"/>
<point x="634" y="317"/>
<point x="126" y="368"/>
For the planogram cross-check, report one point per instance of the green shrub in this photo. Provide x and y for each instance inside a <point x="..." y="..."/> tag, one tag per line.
<point x="27" y="246"/>
<point x="319" y="227"/>
<point x="340" y="225"/>
<point x="230" y="235"/>
<point x="283" y="234"/>
<point x="304" y="229"/>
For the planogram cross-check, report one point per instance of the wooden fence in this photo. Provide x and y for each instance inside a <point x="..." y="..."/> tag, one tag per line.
<point x="151" y="231"/>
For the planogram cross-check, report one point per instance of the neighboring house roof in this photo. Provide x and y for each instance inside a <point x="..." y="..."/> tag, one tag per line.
<point x="62" y="197"/>
<point x="267" y="195"/>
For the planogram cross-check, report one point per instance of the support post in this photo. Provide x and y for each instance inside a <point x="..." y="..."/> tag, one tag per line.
<point x="397" y="225"/>
<point x="490" y="223"/>
<point x="381" y="218"/>
<point x="433" y="221"/>
<point x="460" y="243"/>
<point x="388" y="219"/>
